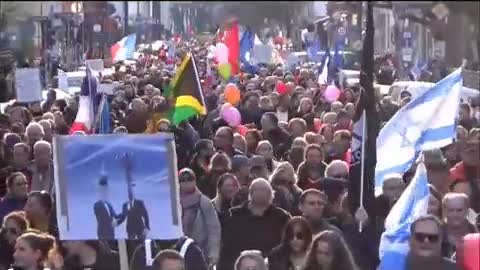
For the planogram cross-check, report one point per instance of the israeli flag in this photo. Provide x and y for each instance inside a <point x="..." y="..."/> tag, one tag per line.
<point x="426" y="122"/>
<point x="412" y="204"/>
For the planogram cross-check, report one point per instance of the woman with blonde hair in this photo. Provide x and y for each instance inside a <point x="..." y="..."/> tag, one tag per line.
<point x="265" y="149"/>
<point x="284" y="183"/>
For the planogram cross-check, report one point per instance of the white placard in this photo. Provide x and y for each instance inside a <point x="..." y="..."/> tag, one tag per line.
<point x="262" y="54"/>
<point x="62" y="80"/>
<point x="28" y="85"/>
<point x="292" y="60"/>
<point x="106" y="88"/>
<point x="95" y="64"/>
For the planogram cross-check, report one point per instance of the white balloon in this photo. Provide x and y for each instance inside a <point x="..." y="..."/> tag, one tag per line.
<point x="221" y="53"/>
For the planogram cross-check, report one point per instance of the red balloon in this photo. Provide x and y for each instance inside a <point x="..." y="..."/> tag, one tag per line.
<point x="281" y="88"/>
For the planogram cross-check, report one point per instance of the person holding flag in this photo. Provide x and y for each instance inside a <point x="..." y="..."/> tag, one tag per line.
<point x="366" y="124"/>
<point x="412" y="239"/>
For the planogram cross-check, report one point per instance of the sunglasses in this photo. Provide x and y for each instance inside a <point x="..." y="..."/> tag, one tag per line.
<point x="12" y="231"/>
<point x="422" y="237"/>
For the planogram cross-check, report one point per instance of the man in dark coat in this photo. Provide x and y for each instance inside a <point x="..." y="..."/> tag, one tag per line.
<point x="137" y="219"/>
<point x="107" y="219"/>
<point x="256" y="224"/>
<point x="194" y="259"/>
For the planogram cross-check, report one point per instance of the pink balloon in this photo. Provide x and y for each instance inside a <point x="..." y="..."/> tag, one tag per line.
<point x="221" y="53"/>
<point x="232" y="116"/>
<point x="332" y="93"/>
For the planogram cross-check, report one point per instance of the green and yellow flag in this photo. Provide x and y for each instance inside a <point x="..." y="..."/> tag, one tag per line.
<point x="185" y="93"/>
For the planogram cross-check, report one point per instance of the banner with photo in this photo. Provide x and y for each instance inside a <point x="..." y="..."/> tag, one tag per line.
<point x="117" y="187"/>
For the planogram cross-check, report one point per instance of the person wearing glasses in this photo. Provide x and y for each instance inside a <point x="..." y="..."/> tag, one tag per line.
<point x="16" y="197"/>
<point x="291" y="254"/>
<point x="426" y="245"/>
<point x="14" y="224"/>
<point x="329" y="252"/>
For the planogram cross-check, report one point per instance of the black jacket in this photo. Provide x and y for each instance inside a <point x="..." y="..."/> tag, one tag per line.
<point x="105" y="217"/>
<point x="6" y="253"/>
<point x="194" y="259"/>
<point x="137" y="219"/>
<point x="279" y="259"/>
<point x="280" y="141"/>
<point x="244" y="231"/>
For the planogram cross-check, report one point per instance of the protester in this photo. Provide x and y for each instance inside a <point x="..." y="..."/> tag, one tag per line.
<point x="312" y="205"/>
<point x="199" y="218"/>
<point x="312" y="169"/>
<point x="425" y="245"/>
<point x="169" y="260"/>
<point x="329" y="251"/>
<point x="292" y="252"/>
<point x="38" y="210"/>
<point x="227" y="186"/>
<point x="287" y="193"/>
<point x="16" y="197"/>
<point x="89" y="254"/>
<point x="250" y="259"/>
<point x="455" y="209"/>
<point x="258" y="218"/>
<point x="33" y="250"/>
<point x="42" y="167"/>
<point x="191" y="253"/>
<point x="13" y="225"/>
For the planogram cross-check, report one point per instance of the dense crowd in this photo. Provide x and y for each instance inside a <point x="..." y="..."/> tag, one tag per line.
<point x="270" y="193"/>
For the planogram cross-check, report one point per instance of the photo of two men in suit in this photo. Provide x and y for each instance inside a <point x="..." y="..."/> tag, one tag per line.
<point x="133" y="211"/>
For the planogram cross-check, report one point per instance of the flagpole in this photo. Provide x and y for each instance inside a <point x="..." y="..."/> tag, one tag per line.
<point x="362" y="168"/>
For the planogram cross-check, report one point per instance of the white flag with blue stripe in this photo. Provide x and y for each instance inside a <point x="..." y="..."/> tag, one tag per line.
<point x="412" y="204"/>
<point x="426" y="122"/>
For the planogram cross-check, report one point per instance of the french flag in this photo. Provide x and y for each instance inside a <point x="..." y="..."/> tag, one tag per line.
<point x="124" y="49"/>
<point x="87" y="105"/>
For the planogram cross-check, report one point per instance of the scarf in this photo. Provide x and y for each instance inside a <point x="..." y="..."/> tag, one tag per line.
<point x="190" y="204"/>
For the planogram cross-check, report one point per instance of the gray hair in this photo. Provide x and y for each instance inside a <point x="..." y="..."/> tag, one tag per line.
<point x="260" y="182"/>
<point x="334" y="165"/>
<point x="41" y="144"/>
<point x="33" y="125"/>
<point x="45" y="122"/>
<point x="254" y="255"/>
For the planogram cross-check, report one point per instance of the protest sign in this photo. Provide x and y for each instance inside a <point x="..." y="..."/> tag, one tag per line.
<point x="117" y="187"/>
<point x="28" y="85"/>
<point x="292" y="61"/>
<point x="96" y="65"/>
<point x="62" y="80"/>
<point x="262" y="54"/>
<point x="106" y="88"/>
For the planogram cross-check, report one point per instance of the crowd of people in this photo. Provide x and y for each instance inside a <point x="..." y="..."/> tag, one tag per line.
<point x="271" y="194"/>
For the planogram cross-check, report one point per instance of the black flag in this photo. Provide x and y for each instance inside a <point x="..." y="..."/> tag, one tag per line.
<point x="366" y="103"/>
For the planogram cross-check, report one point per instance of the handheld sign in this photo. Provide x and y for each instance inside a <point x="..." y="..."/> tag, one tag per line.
<point x="112" y="187"/>
<point x="27" y="84"/>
